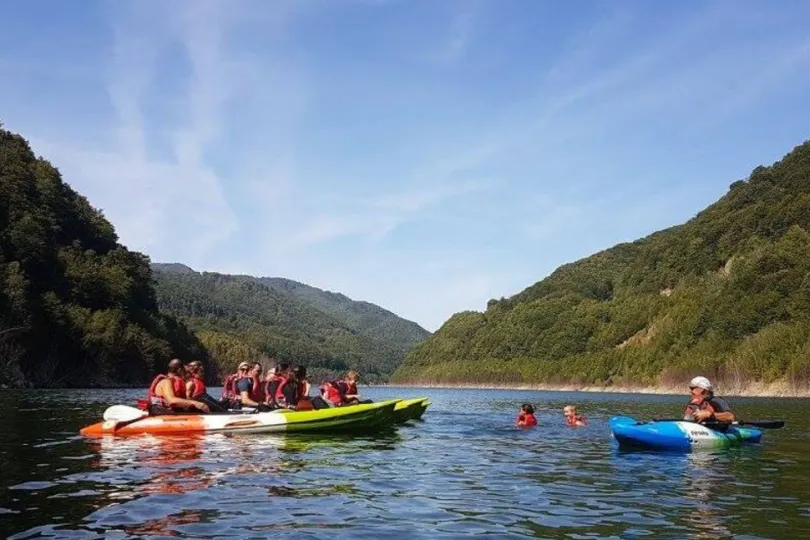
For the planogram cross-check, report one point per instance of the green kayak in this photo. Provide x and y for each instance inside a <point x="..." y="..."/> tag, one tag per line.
<point x="410" y="409"/>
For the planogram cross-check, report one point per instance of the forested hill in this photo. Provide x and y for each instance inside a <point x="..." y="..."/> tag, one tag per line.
<point x="76" y="307"/>
<point x="726" y="294"/>
<point x="363" y="317"/>
<point x="366" y="318"/>
<point x="241" y="317"/>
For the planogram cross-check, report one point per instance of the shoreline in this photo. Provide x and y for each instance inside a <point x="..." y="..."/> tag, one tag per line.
<point x="774" y="390"/>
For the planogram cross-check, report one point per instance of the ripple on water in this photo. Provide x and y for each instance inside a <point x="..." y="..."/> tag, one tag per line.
<point x="464" y="470"/>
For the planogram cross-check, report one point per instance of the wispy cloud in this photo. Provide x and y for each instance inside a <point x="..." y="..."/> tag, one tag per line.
<point x="168" y="200"/>
<point x="395" y="151"/>
<point x="156" y="178"/>
<point x="672" y="73"/>
<point x="375" y="217"/>
<point x="460" y="32"/>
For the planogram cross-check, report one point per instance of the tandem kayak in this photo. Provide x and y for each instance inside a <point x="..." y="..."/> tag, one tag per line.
<point x="410" y="409"/>
<point x="367" y="417"/>
<point x="678" y="435"/>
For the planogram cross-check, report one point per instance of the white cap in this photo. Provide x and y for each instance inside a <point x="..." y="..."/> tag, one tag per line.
<point x="701" y="382"/>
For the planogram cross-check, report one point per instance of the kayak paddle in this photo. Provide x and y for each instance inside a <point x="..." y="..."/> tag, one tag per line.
<point x="765" y="424"/>
<point x="120" y="415"/>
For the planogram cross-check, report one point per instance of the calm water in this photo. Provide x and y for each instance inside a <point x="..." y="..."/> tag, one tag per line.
<point x="463" y="470"/>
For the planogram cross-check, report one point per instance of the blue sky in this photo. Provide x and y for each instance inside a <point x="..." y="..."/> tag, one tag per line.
<point x="425" y="155"/>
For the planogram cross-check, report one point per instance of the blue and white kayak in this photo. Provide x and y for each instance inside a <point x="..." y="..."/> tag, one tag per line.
<point x="678" y="435"/>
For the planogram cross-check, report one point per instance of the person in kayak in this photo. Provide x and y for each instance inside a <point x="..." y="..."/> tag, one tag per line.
<point x="704" y="405"/>
<point x="350" y="380"/>
<point x="229" y="393"/>
<point x="273" y="381"/>
<point x="303" y="383"/>
<point x="303" y="387"/>
<point x="333" y="392"/>
<point x="195" y="385"/>
<point x="167" y="393"/>
<point x="293" y="390"/>
<point x="340" y="392"/>
<point x="351" y="395"/>
<point x="525" y="417"/>
<point x="251" y="389"/>
<point x="572" y="418"/>
<point x="196" y="389"/>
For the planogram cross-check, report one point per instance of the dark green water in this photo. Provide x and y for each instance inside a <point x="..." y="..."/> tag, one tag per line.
<point x="463" y="470"/>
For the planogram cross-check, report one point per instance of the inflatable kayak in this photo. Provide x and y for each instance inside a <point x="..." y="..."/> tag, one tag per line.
<point x="678" y="435"/>
<point x="409" y="409"/>
<point x="369" y="417"/>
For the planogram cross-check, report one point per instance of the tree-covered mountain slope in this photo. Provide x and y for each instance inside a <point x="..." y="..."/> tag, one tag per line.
<point x="76" y="307"/>
<point x="369" y="319"/>
<point x="726" y="294"/>
<point x="242" y="317"/>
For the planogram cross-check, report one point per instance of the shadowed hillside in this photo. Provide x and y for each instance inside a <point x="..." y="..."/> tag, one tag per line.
<point x="76" y="307"/>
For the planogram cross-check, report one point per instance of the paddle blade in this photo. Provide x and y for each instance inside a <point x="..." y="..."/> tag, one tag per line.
<point x="764" y="424"/>
<point x="123" y="413"/>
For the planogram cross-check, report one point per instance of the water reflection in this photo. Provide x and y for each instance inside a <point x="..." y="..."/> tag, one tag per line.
<point x="465" y="469"/>
<point x="701" y="483"/>
<point x="168" y="525"/>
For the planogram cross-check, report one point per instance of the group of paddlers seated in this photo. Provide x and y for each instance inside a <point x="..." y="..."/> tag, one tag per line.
<point x="182" y="389"/>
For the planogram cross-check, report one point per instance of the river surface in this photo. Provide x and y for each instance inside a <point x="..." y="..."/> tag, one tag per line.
<point x="463" y="470"/>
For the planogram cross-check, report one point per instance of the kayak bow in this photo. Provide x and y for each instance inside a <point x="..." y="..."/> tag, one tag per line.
<point x="409" y="409"/>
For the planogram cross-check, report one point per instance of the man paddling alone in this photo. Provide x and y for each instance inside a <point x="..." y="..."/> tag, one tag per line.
<point x="705" y="406"/>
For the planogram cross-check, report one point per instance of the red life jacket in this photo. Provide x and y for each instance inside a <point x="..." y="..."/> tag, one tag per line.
<point x="229" y="387"/>
<point x="271" y="387"/>
<point x="257" y="390"/>
<point x="280" y="399"/>
<point x="351" y="388"/>
<point x="334" y="391"/>
<point x="526" y="419"/>
<point x="178" y="385"/>
<point x="198" y="389"/>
